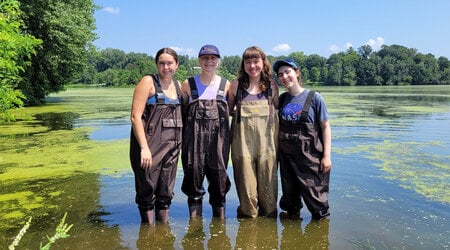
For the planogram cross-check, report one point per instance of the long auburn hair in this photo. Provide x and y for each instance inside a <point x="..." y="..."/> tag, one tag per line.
<point x="266" y="75"/>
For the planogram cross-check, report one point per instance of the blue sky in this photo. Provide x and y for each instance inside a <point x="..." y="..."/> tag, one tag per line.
<point x="318" y="27"/>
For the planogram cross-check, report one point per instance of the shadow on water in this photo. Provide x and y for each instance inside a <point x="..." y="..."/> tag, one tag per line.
<point x="57" y="121"/>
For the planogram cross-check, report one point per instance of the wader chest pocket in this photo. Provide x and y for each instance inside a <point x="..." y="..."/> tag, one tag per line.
<point x="172" y="123"/>
<point x="207" y="114"/>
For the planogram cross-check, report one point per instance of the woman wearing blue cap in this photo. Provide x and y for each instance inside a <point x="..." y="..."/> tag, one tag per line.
<point x="304" y="145"/>
<point x="206" y="146"/>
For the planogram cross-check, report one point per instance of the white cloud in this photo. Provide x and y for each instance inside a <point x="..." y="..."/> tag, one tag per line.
<point x="280" y="48"/>
<point x="183" y="51"/>
<point x="111" y="10"/>
<point x="334" y="48"/>
<point x="348" y="45"/>
<point x="376" y="44"/>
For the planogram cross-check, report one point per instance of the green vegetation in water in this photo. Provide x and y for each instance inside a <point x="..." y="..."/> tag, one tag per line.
<point x="394" y="107"/>
<point x="44" y="147"/>
<point x="61" y="232"/>
<point x="47" y="164"/>
<point x="405" y="163"/>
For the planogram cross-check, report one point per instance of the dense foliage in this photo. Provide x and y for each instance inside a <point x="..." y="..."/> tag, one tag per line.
<point x="391" y="65"/>
<point x="16" y="48"/>
<point x="66" y="29"/>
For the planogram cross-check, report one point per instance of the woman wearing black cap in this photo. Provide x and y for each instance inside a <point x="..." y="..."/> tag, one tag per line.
<point x="206" y="147"/>
<point x="304" y="145"/>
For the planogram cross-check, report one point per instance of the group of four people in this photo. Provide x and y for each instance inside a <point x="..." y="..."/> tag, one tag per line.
<point x="266" y="129"/>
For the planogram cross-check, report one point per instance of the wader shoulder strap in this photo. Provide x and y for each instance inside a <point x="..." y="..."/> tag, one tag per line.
<point x="307" y="104"/>
<point x="159" y="93"/>
<point x="238" y="103"/>
<point x="193" y="87"/>
<point x="281" y="100"/>
<point x="270" y="101"/>
<point x="221" y="90"/>
<point x="160" y="96"/>
<point x="177" y="87"/>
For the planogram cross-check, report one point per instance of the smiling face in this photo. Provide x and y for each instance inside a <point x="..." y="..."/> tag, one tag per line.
<point x="253" y="67"/>
<point x="288" y="76"/>
<point x="208" y="63"/>
<point x="167" y="65"/>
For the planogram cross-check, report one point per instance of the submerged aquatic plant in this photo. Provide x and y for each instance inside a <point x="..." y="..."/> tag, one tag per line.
<point x="61" y="232"/>
<point x="20" y="235"/>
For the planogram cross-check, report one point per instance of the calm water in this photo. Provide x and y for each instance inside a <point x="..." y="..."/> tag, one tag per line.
<point x="389" y="189"/>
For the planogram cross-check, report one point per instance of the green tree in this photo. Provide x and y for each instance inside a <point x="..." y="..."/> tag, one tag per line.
<point x="334" y="76"/>
<point x="342" y="68"/>
<point x="396" y="64"/>
<point x="444" y="69"/>
<point x="425" y="70"/>
<point x="16" y="47"/>
<point x="66" y="29"/>
<point x="366" y="69"/>
<point x="231" y="65"/>
<point x="315" y="64"/>
<point x="365" y="51"/>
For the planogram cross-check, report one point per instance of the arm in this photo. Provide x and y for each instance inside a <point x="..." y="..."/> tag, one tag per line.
<point x="143" y="90"/>
<point x="325" y="163"/>
<point x="231" y="96"/>
<point x="185" y="91"/>
<point x="275" y="93"/>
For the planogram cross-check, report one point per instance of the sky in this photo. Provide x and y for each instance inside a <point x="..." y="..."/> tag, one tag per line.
<point x="320" y="27"/>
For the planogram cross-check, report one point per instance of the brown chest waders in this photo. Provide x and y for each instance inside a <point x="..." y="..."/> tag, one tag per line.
<point x="205" y="151"/>
<point x="300" y="153"/>
<point x="163" y="130"/>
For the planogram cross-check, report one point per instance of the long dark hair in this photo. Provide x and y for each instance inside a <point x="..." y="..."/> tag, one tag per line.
<point x="166" y="51"/>
<point x="266" y="75"/>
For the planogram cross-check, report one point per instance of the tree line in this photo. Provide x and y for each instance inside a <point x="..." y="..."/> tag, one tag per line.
<point x="47" y="44"/>
<point x="391" y="65"/>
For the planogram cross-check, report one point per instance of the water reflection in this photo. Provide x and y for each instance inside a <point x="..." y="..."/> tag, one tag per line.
<point x="157" y="236"/>
<point x="257" y="233"/>
<point x="218" y="235"/>
<point x="57" y="121"/>
<point x="195" y="235"/>
<point x="314" y="236"/>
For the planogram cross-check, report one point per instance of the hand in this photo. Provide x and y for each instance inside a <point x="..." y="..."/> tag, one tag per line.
<point x="325" y="164"/>
<point x="146" y="158"/>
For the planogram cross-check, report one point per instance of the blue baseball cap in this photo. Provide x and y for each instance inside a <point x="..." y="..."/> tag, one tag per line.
<point x="284" y="62"/>
<point x="209" y="50"/>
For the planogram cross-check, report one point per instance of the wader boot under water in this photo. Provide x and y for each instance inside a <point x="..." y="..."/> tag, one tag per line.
<point x="218" y="212"/>
<point x="162" y="215"/>
<point x="147" y="216"/>
<point x="195" y="211"/>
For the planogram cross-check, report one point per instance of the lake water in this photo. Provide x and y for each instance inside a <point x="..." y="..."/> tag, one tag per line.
<point x="389" y="182"/>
